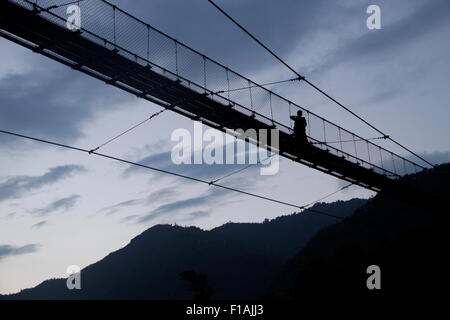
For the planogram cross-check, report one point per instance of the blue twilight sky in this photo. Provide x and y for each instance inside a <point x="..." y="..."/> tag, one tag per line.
<point x="60" y="208"/>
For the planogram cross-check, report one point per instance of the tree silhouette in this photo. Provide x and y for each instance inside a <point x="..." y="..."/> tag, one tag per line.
<point x="198" y="282"/>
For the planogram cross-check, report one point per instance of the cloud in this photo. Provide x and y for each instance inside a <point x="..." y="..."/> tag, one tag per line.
<point x="425" y="18"/>
<point x="163" y="160"/>
<point x="191" y="216"/>
<point x="211" y="197"/>
<point x="17" y="186"/>
<point x="158" y="196"/>
<point x="213" y="34"/>
<point x="244" y="179"/>
<point x="39" y="225"/>
<point x="63" y="204"/>
<point x="52" y="101"/>
<point x="128" y="218"/>
<point x="10" y="215"/>
<point x="114" y="208"/>
<point x="8" y="250"/>
<point x="161" y="195"/>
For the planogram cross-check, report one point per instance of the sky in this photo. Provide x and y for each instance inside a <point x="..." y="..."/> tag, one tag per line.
<point x="60" y="208"/>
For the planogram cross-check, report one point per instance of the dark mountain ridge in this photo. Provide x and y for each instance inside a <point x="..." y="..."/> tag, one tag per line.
<point x="240" y="260"/>
<point x="299" y="256"/>
<point x="406" y="239"/>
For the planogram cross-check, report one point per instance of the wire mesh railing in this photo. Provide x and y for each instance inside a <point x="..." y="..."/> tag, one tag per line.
<point x="113" y="28"/>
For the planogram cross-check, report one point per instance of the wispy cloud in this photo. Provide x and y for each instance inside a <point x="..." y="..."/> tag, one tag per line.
<point x="400" y="33"/>
<point x="212" y="197"/>
<point x="161" y="195"/>
<point x="8" y="250"/>
<point x="27" y="100"/>
<point x="194" y="215"/>
<point x="63" y="205"/>
<point x="209" y="172"/>
<point x="124" y="204"/>
<point x="17" y="186"/>
<point x="129" y="218"/>
<point x="39" y="225"/>
<point x="10" y="215"/>
<point x="158" y="196"/>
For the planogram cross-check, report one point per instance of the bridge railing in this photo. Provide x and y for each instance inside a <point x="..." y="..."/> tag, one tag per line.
<point x="109" y="26"/>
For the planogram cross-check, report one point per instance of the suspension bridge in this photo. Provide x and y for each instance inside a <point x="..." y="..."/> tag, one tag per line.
<point x="121" y="50"/>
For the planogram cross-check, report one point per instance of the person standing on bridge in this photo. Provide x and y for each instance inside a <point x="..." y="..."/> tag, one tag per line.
<point x="300" y="130"/>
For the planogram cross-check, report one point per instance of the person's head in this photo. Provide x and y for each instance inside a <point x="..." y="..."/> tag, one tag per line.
<point x="299" y="113"/>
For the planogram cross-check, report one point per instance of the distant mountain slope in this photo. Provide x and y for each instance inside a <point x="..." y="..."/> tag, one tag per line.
<point x="284" y="236"/>
<point x="407" y="242"/>
<point x="240" y="260"/>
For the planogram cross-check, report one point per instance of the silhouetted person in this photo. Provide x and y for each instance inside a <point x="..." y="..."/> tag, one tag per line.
<point x="300" y="130"/>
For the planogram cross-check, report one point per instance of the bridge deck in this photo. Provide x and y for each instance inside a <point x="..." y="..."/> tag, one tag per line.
<point x="31" y="30"/>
